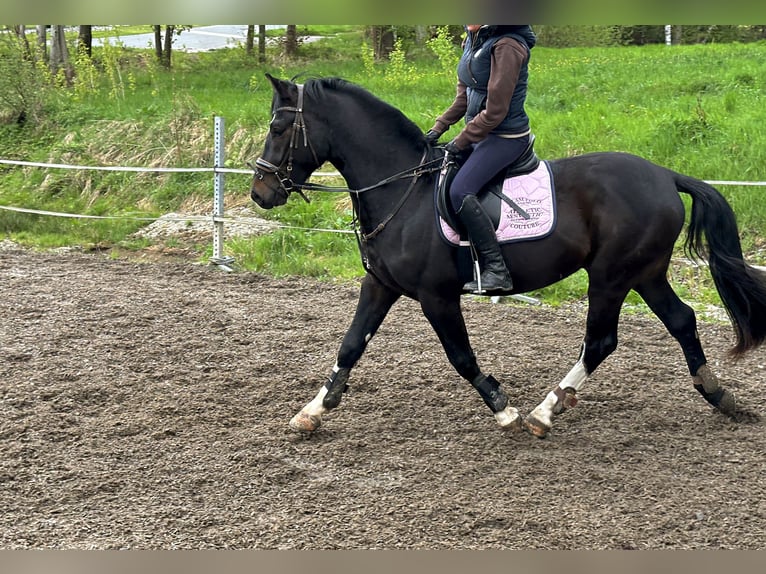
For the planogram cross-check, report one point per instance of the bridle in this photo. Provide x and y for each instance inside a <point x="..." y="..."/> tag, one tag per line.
<point x="263" y="167"/>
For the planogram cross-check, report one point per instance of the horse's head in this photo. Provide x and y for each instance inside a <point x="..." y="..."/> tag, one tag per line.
<point x="288" y="157"/>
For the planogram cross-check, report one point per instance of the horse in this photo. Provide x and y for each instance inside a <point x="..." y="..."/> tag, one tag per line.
<point x="619" y="216"/>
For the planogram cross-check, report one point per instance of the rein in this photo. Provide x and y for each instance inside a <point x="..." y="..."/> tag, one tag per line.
<point x="422" y="168"/>
<point x="288" y="186"/>
<point x="414" y="173"/>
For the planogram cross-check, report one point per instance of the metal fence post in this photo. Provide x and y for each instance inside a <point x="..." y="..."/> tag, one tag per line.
<point x="218" y="210"/>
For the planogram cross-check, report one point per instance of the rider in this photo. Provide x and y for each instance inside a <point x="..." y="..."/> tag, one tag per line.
<point x="491" y="89"/>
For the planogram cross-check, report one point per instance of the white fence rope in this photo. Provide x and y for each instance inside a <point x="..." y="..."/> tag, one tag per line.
<point x="743" y="183"/>
<point x="149" y="169"/>
<point x="217" y="218"/>
<point x="245" y="171"/>
<point x="108" y="168"/>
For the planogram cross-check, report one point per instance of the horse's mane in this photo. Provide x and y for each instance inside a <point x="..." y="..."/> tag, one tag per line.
<point x="393" y="117"/>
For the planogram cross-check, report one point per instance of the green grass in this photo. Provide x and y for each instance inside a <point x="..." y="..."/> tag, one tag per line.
<point x="696" y="109"/>
<point x="309" y="253"/>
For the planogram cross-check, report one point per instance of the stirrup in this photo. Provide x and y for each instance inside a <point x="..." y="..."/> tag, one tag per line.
<point x="476" y="288"/>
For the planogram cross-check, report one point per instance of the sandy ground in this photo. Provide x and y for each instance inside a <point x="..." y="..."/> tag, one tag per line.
<point x="145" y="405"/>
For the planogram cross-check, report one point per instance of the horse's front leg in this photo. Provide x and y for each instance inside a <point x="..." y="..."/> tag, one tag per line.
<point x="375" y="301"/>
<point x="447" y="320"/>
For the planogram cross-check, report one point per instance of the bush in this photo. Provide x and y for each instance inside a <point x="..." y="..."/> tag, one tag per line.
<point x="25" y="81"/>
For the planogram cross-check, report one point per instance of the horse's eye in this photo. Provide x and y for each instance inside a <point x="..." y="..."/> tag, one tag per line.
<point x="277" y="125"/>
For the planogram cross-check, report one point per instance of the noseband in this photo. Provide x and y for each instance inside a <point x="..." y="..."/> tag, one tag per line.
<point x="263" y="166"/>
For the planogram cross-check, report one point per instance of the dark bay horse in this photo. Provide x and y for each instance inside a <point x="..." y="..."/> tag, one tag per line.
<point x="618" y="218"/>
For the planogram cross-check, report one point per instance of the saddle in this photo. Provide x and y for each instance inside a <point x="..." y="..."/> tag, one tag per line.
<point x="491" y="195"/>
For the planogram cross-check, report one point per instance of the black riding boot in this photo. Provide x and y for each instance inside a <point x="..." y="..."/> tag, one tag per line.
<point x="495" y="278"/>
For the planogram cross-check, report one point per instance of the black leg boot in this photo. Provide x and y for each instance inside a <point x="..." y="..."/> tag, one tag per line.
<point x="495" y="278"/>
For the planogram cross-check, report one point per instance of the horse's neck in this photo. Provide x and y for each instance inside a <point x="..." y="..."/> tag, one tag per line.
<point x="366" y="152"/>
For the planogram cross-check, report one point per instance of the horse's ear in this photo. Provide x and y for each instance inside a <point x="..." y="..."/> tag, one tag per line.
<point x="281" y="87"/>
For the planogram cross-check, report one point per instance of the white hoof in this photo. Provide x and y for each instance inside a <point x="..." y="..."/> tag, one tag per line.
<point x="509" y="419"/>
<point x="303" y="422"/>
<point x="539" y="428"/>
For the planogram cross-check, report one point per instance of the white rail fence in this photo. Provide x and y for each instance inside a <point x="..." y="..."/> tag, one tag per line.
<point x="217" y="217"/>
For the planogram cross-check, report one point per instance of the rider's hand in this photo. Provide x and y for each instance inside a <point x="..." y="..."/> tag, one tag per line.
<point x="452" y="149"/>
<point x="432" y="137"/>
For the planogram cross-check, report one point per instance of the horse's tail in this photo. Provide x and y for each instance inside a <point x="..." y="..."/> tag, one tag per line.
<point x="742" y="288"/>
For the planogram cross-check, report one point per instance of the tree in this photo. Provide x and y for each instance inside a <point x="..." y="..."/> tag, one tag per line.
<point x="85" y="40"/>
<point x="158" y="41"/>
<point x="163" y="44"/>
<point x="261" y="43"/>
<point x="291" y="40"/>
<point x="167" y="48"/>
<point x="382" y="38"/>
<point x="21" y="34"/>
<point x="42" y="41"/>
<point x="59" y="59"/>
<point x="250" y="40"/>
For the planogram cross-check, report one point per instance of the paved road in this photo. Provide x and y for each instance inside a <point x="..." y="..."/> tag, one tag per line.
<point x="198" y="39"/>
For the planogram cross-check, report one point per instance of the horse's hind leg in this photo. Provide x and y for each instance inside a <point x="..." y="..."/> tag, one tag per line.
<point x="375" y="301"/>
<point x="600" y="341"/>
<point x="681" y="322"/>
<point x="447" y="320"/>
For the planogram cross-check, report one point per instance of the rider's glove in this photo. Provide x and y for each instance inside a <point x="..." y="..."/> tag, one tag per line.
<point x="432" y="137"/>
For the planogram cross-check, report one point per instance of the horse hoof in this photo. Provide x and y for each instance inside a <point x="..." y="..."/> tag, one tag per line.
<point x="536" y="427"/>
<point x="509" y="419"/>
<point x="727" y="405"/>
<point x="305" y="423"/>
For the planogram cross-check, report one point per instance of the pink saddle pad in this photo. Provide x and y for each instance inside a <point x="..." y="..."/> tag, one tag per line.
<point x="533" y="193"/>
